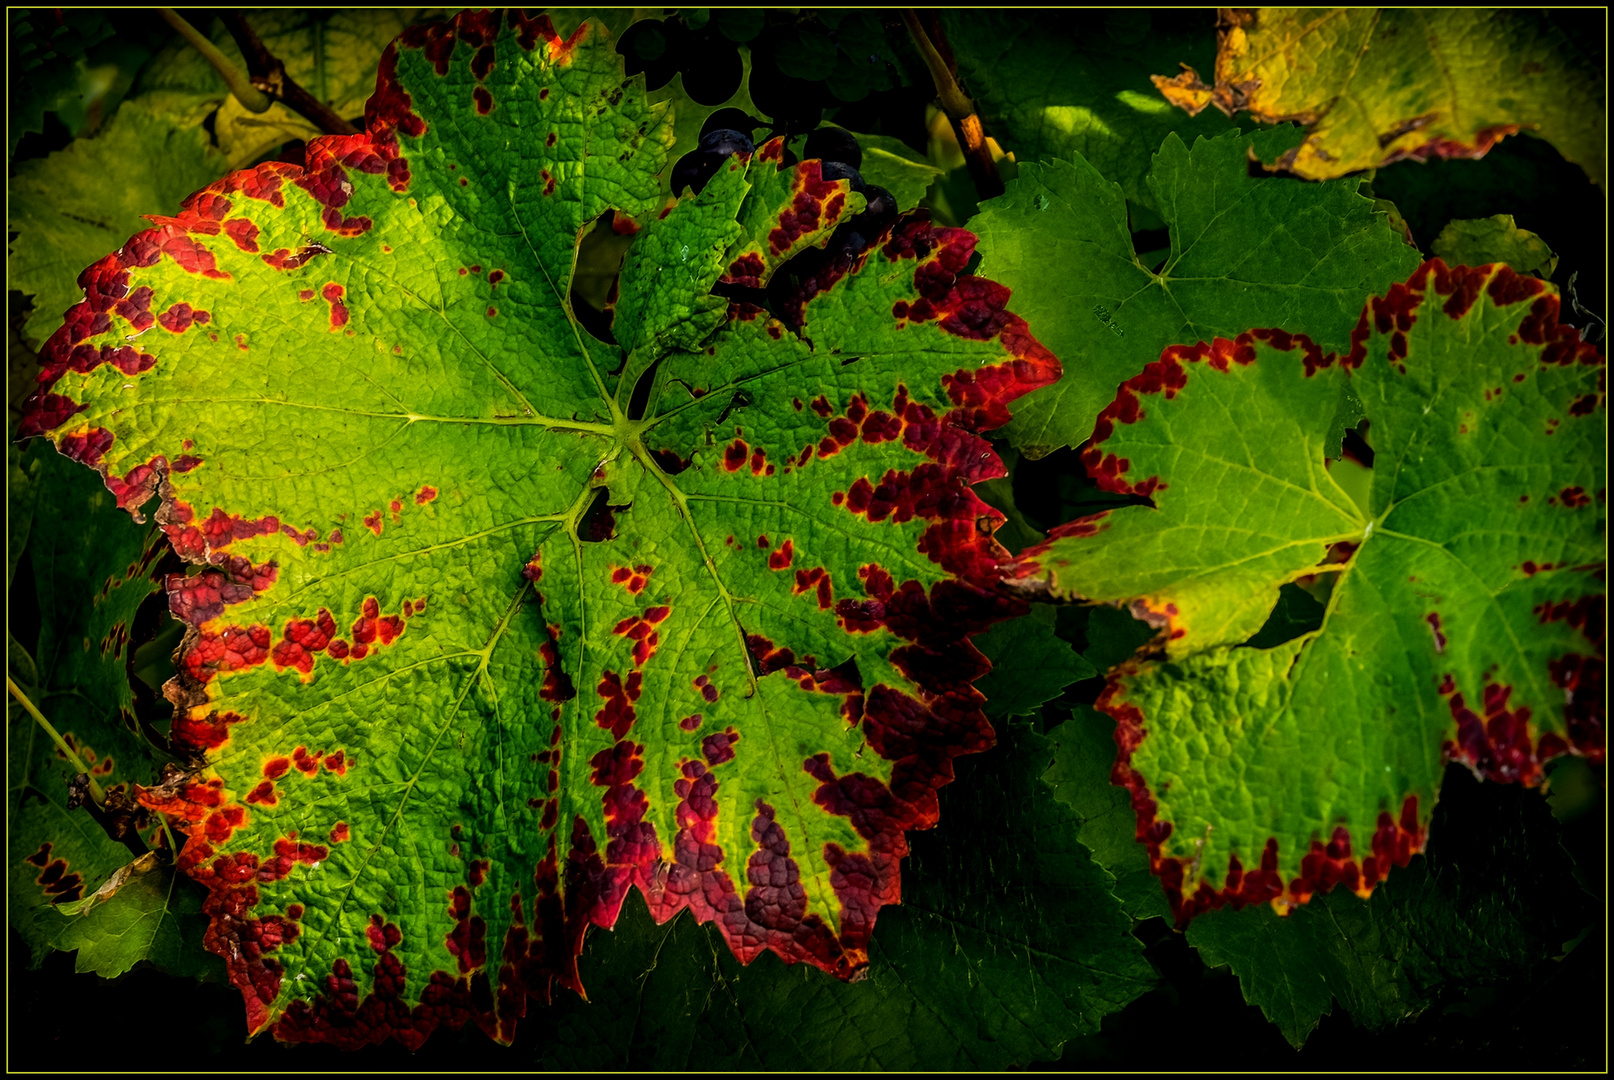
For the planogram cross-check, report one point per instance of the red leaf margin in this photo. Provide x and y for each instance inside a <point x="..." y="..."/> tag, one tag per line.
<point x="921" y="736"/>
<point x="1499" y="745"/>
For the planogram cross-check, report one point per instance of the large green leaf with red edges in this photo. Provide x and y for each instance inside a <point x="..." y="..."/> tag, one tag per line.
<point x="485" y="635"/>
<point x="1493" y="896"/>
<point x="1465" y="618"/>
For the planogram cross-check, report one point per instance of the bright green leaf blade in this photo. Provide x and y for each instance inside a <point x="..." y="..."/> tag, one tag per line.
<point x="1494" y="240"/>
<point x="1375" y="85"/>
<point x="70" y="208"/>
<point x="995" y="958"/>
<point x="475" y="652"/>
<point x="1245" y="252"/>
<point x="154" y="914"/>
<point x="667" y="277"/>
<point x="1030" y="665"/>
<point x="1465" y="622"/>
<point x="1486" y="903"/>
<point x="1076" y="84"/>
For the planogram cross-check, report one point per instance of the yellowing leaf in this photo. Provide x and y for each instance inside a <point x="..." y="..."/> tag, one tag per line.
<point x="1376" y="85"/>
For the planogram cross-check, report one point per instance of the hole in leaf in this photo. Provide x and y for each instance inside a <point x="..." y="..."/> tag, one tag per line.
<point x="1356" y="448"/>
<point x="640" y="398"/>
<point x="1298" y="611"/>
<point x="598" y="523"/>
<point x="848" y="672"/>
<point x="1055" y="489"/>
<point x="669" y="461"/>
<point x="1153" y="247"/>
<point x="740" y="400"/>
<point x="594" y="282"/>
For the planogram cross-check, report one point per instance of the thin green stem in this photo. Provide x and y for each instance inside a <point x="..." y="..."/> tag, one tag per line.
<point x="55" y="736"/>
<point x="954" y="101"/>
<point x="250" y="97"/>
<point x="960" y="110"/>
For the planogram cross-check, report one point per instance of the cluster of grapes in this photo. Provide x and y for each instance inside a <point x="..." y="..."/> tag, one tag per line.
<point x="719" y="142"/>
<point x="708" y="58"/>
<point x="807" y="273"/>
<point x="814" y="269"/>
<point x="801" y="64"/>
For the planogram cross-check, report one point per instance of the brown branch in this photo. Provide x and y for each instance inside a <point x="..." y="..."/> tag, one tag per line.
<point x="960" y="111"/>
<point x="268" y="74"/>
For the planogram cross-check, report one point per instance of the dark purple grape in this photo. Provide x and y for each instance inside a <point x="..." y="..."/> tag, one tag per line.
<point x="835" y="170"/>
<point x="834" y="144"/>
<point x="794" y="106"/>
<point x="714" y="76"/>
<point x="880" y="211"/>
<point x="645" y="47"/>
<point x="723" y="142"/>
<point x="693" y="170"/>
<point x="736" y="119"/>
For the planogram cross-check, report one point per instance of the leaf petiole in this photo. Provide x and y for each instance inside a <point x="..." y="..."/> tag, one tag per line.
<point x="251" y="98"/>
<point x="55" y="736"/>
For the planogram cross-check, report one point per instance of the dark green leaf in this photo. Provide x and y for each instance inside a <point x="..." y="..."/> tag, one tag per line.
<point x="1030" y="664"/>
<point x="1496" y="899"/>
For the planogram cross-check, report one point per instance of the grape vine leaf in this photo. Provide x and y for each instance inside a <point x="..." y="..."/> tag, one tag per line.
<point x="1076" y="84"/>
<point x="1465" y="618"/>
<point x="478" y="645"/>
<point x="1376" y="85"/>
<point x="1245" y="251"/>
<point x="1079" y="777"/>
<point x="91" y="573"/>
<point x="1487" y="902"/>
<point x="67" y="209"/>
<point x="1031" y="665"/>
<point x="46" y="54"/>
<point x="1496" y="239"/>
<point x="995" y="958"/>
<point x="897" y="167"/>
<point x="146" y="911"/>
